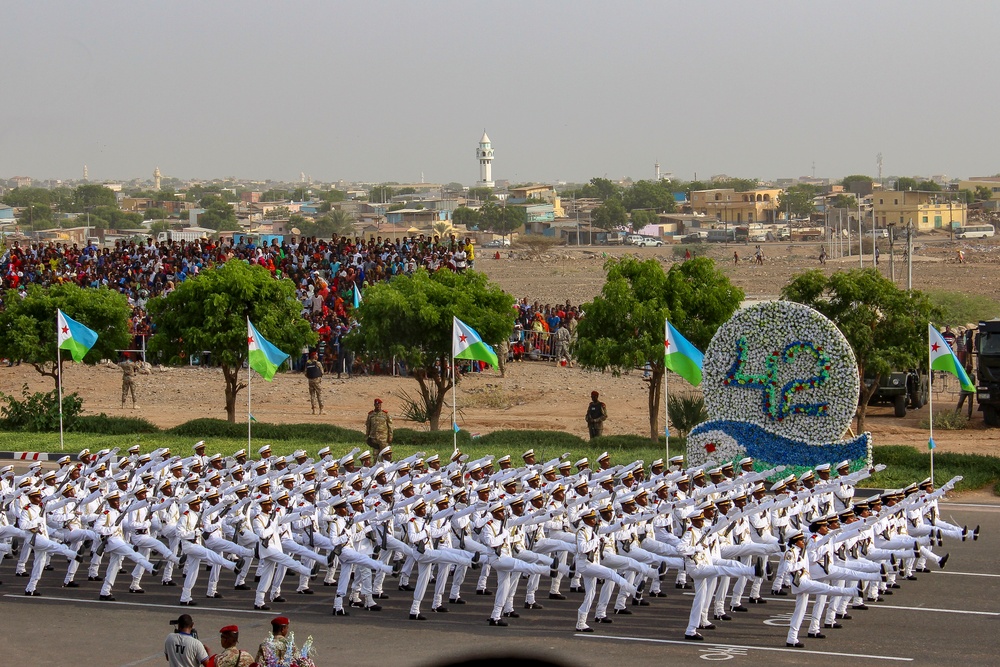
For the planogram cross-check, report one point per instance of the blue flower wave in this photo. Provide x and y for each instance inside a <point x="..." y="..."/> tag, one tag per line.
<point x="780" y="450"/>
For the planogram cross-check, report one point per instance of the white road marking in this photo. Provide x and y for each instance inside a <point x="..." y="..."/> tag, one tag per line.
<point x="976" y="505"/>
<point x="699" y="645"/>
<point x="791" y="599"/>
<point x="965" y="574"/>
<point x="141" y="604"/>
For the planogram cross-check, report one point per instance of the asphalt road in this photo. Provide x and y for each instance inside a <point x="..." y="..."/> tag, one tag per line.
<point x="944" y="618"/>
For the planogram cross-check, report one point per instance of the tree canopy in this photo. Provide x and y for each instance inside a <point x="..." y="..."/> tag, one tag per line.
<point x="500" y="219"/>
<point x="610" y="215"/>
<point x="798" y="199"/>
<point x="410" y="318"/>
<point x="639" y="219"/>
<point x="885" y="325"/>
<point x="219" y="215"/>
<point x="209" y="313"/>
<point x="623" y="328"/>
<point x="28" y="324"/>
<point x="655" y="195"/>
<point x="470" y="217"/>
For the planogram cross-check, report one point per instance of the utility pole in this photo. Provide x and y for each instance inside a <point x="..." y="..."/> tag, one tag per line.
<point x="909" y="254"/>
<point x="892" y="264"/>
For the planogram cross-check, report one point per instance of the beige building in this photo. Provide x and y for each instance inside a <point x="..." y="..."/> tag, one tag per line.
<point x="926" y="210"/>
<point x="991" y="182"/>
<point x="728" y="205"/>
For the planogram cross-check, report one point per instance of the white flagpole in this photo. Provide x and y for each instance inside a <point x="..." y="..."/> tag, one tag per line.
<point x="249" y="377"/>
<point x="930" y="404"/>
<point x="59" y="376"/>
<point x="454" y="405"/>
<point x="666" y="412"/>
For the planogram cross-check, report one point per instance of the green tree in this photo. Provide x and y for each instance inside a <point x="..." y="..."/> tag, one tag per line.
<point x="601" y="188"/>
<point x="655" y="195"/>
<point x="381" y="194"/>
<point x="624" y="326"/>
<point x="158" y="226"/>
<point x="844" y="201"/>
<point x="610" y="215"/>
<point x="500" y="219"/>
<point x="640" y="219"/>
<point x="983" y="193"/>
<point x="20" y="197"/>
<point x="850" y="181"/>
<point x="35" y="216"/>
<point x="929" y="186"/>
<point x="155" y="214"/>
<point x="29" y="324"/>
<point x="737" y="184"/>
<point x="410" y="318"/>
<point x="219" y="215"/>
<point x="905" y="183"/>
<point x="798" y="199"/>
<point x="209" y="313"/>
<point x="93" y="195"/>
<point x="885" y="325"/>
<point x="333" y="196"/>
<point x="463" y="215"/>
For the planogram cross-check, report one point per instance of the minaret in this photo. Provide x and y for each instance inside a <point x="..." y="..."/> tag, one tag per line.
<point x="156" y="179"/>
<point x="85" y="176"/>
<point x="656" y="170"/>
<point x="485" y="156"/>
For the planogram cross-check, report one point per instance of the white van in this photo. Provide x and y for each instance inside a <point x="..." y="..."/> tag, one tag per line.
<point x="975" y="232"/>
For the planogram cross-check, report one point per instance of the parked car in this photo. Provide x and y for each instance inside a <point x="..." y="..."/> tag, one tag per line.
<point x="695" y="237"/>
<point x="646" y="241"/>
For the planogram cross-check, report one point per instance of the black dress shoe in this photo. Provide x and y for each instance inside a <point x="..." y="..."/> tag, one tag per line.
<point x="374" y="607"/>
<point x="241" y="587"/>
<point x="657" y="594"/>
<point x="88" y="578"/>
<point x="911" y="578"/>
<point x="109" y="598"/>
<point x="214" y="596"/>
<point x="484" y="591"/>
<point x="406" y="587"/>
<point x="894" y="586"/>
<point x="341" y="612"/>
<point x="305" y="591"/>
<point x="757" y="601"/>
<point x="189" y="603"/>
<point x="325" y="583"/>
<point x="575" y="589"/>
<point x="722" y="617"/>
<point x="511" y="614"/>
<point x="71" y="584"/>
<point x="278" y="599"/>
<point x="817" y="635"/>
<point x="456" y="600"/>
<point x="740" y="608"/>
<point x="623" y="612"/>
<point x="780" y="593"/>
<point x="498" y="622"/>
<point x="417" y="617"/>
<point x="558" y="596"/>
<point x="681" y="586"/>
<point x="639" y="602"/>
<point x="848" y="617"/>
<point x="261" y="607"/>
<point x="49" y="568"/>
<point x="169" y="582"/>
<point x="256" y="578"/>
<point x="533" y="605"/>
<point x="35" y="594"/>
<point x="832" y="626"/>
<point x="795" y="645"/>
<point x="439" y="610"/>
<point x="694" y="638"/>
<point x="137" y="591"/>
<point x="586" y="629"/>
<point x="381" y="596"/>
<point x="943" y="561"/>
<point x="603" y="619"/>
<point x="707" y="626"/>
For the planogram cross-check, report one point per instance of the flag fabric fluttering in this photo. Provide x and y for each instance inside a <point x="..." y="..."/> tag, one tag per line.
<point x="681" y="356"/>
<point x="357" y="296"/>
<point x="467" y="344"/>
<point x="263" y="357"/>
<point x="943" y="358"/>
<point x="73" y="336"/>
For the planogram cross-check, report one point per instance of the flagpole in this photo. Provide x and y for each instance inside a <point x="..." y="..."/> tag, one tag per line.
<point x="59" y="377"/>
<point x="666" y="415"/>
<point x="454" y="405"/>
<point x="930" y="405"/>
<point x="249" y="413"/>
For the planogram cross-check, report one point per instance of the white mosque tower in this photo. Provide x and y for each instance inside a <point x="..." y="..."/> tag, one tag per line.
<point x="485" y="156"/>
<point x="156" y="179"/>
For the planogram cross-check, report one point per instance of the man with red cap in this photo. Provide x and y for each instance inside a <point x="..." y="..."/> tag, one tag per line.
<point x="597" y="412"/>
<point x="277" y="643"/>
<point x="232" y="655"/>
<point x="378" y="428"/>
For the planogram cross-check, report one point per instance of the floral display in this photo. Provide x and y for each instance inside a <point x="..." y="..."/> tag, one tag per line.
<point x="282" y="652"/>
<point x="781" y="385"/>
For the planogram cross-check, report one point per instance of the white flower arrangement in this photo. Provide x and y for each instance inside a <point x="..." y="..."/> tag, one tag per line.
<point x="784" y="367"/>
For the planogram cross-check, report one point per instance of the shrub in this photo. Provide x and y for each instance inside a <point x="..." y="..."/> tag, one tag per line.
<point x="218" y="428"/>
<point x="105" y="425"/>
<point x="428" y="439"/>
<point x="947" y="420"/>
<point x="686" y="412"/>
<point x="516" y="442"/>
<point x="38" y="412"/>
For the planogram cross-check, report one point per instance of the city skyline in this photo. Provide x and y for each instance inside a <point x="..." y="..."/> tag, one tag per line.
<point x="393" y="91"/>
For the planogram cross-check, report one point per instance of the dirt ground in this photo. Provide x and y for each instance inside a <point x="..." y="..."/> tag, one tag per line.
<point x="537" y="395"/>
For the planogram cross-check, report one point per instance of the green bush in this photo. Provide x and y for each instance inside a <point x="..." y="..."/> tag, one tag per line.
<point x="105" y="425"/>
<point x="426" y="439"/>
<point x="947" y="420"/>
<point x="219" y="428"/>
<point x="959" y="309"/>
<point x="517" y="442"/>
<point x="38" y="412"/>
<point x="686" y="412"/>
<point x="906" y="464"/>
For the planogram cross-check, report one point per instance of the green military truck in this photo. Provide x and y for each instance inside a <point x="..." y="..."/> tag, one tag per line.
<point x="901" y="390"/>
<point x="987" y="349"/>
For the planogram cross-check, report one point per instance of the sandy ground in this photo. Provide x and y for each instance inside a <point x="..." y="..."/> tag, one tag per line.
<point x="541" y="395"/>
<point x="534" y="395"/>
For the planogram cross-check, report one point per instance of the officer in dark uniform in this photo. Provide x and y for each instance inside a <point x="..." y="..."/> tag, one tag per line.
<point x="597" y="412"/>
<point x="314" y="374"/>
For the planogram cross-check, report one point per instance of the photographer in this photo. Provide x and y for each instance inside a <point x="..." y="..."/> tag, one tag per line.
<point x="182" y="648"/>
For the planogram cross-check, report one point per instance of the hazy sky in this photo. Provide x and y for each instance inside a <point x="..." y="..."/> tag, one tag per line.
<point x="566" y="90"/>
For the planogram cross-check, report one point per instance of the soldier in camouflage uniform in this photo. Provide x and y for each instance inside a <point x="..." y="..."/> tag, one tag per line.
<point x="129" y="371"/>
<point x="597" y="412"/>
<point x="378" y="429"/>
<point x="314" y="373"/>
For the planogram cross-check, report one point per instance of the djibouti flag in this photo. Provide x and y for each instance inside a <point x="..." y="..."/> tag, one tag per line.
<point x="263" y="356"/>
<point x="357" y="296"/>
<point x="681" y="356"/>
<point x="467" y="344"/>
<point x="943" y="358"/>
<point x="73" y="336"/>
